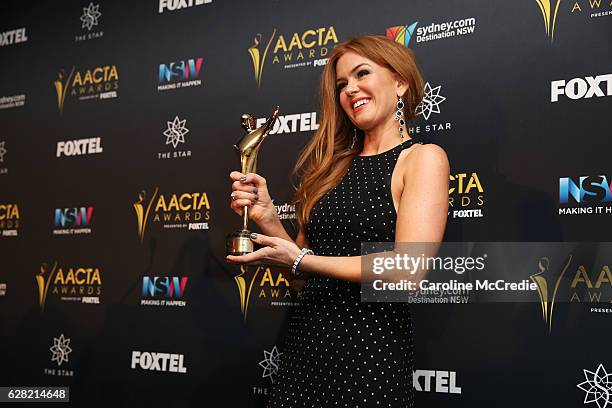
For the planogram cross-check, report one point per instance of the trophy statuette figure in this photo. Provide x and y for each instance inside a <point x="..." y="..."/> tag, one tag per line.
<point x="247" y="147"/>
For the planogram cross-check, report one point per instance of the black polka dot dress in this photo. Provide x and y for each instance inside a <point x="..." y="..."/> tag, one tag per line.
<point x="338" y="351"/>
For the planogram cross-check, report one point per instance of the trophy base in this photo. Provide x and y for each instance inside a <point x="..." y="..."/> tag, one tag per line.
<point x="239" y="243"/>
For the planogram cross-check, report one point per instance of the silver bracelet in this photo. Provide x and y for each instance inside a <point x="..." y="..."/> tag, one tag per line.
<point x="297" y="261"/>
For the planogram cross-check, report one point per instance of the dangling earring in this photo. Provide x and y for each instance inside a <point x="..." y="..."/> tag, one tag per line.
<point x="354" y="137"/>
<point x="399" y="116"/>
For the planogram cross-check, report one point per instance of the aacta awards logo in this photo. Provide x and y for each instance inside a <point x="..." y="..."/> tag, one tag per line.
<point x="163" y="291"/>
<point x="589" y="284"/>
<point x="549" y="9"/>
<point x="72" y="220"/>
<point x="172" y="211"/>
<point x="175" y="136"/>
<point x="101" y="82"/>
<point x="69" y="284"/>
<point x="466" y="196"/>
<point x="585" y="195"/>
<point x="89" y="19"/>
<point x="308" y="48"/>
<point x="180" y="74"/>
<point x="3" y="151"/>
<point x="9" y="220"/>
<point x="594" y="9"/>
<point x="548" y="287"/>
<point x="270" y="288"/>
<point x="60" y="354"/>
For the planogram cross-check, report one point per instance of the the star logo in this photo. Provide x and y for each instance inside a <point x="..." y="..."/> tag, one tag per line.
<point x="176" y="132"/>
<point x="90" y="16"/>
<point x="270" y="363"/>
<point x="598" y="387"/>
<point x="2" y="151"/>
<point x="431" y="101"/>
<point x="60" y="349"/>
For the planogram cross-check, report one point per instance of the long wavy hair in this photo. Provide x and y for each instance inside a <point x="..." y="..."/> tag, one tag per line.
<point x="326" y="158"/>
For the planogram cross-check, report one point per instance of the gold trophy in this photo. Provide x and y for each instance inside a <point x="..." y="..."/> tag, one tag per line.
<point x="239" y="242"/>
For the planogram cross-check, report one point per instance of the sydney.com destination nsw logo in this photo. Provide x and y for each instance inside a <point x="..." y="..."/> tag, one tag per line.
<point x="308" y="48"/>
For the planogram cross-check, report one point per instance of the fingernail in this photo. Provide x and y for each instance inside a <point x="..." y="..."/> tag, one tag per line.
<point x="256" y="198"/>
<point x="255" y="190"/>
<point x="253" y="236"/>
<point x="243" y="179"/>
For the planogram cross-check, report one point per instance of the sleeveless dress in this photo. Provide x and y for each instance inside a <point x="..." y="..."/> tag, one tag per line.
<point x="338" y="351"/>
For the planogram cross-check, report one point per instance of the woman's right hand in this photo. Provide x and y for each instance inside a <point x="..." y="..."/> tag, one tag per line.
<point x="251" y="191"/>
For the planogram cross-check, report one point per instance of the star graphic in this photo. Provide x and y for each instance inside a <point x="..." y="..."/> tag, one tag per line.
<point x="90" y="16"/>
<point x="2" y="151"/>
<point x="431" y="101"/>
<point x="598" y="387"/>
<point x="60" y="349"/>
<point x="270" y="363"/>
<point x="176" y="132"/>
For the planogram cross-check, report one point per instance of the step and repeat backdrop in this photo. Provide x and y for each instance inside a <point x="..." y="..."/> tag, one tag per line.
<point x="117" y="125"/>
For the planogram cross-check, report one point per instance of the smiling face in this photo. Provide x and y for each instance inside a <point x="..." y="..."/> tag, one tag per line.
<point x="367" y="91"/>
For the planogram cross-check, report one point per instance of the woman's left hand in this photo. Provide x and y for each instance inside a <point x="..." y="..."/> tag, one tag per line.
<point x="276" y="252"/>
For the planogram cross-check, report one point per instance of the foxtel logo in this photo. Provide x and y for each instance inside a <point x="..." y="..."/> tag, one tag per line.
<point x="436" y="381"/>
<point x="79" y="147"/>
<point x="172" y="5"/>
<point x="299" y="122"/>
<point x="579" y="88"/>
<point x="158" y="362"/>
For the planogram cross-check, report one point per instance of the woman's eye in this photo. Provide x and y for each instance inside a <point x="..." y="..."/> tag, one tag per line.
<point x="340" y="86"/>
<point x="363" y="72"/>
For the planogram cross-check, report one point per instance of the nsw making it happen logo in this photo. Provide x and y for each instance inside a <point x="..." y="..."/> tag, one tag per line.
<point x="72" y="220"/>
<point x="163" y="290"/>
<point x="180" y="74"/>
<point x="585" y="195"/>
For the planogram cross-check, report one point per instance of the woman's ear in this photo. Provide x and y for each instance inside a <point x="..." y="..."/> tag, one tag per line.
<point x="400" y="86"/>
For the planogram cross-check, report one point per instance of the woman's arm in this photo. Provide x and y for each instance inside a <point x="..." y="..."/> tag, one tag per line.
<point x="421" y="217"/>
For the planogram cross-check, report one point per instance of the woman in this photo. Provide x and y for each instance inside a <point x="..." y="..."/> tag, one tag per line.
<point x="363" y="179"/>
